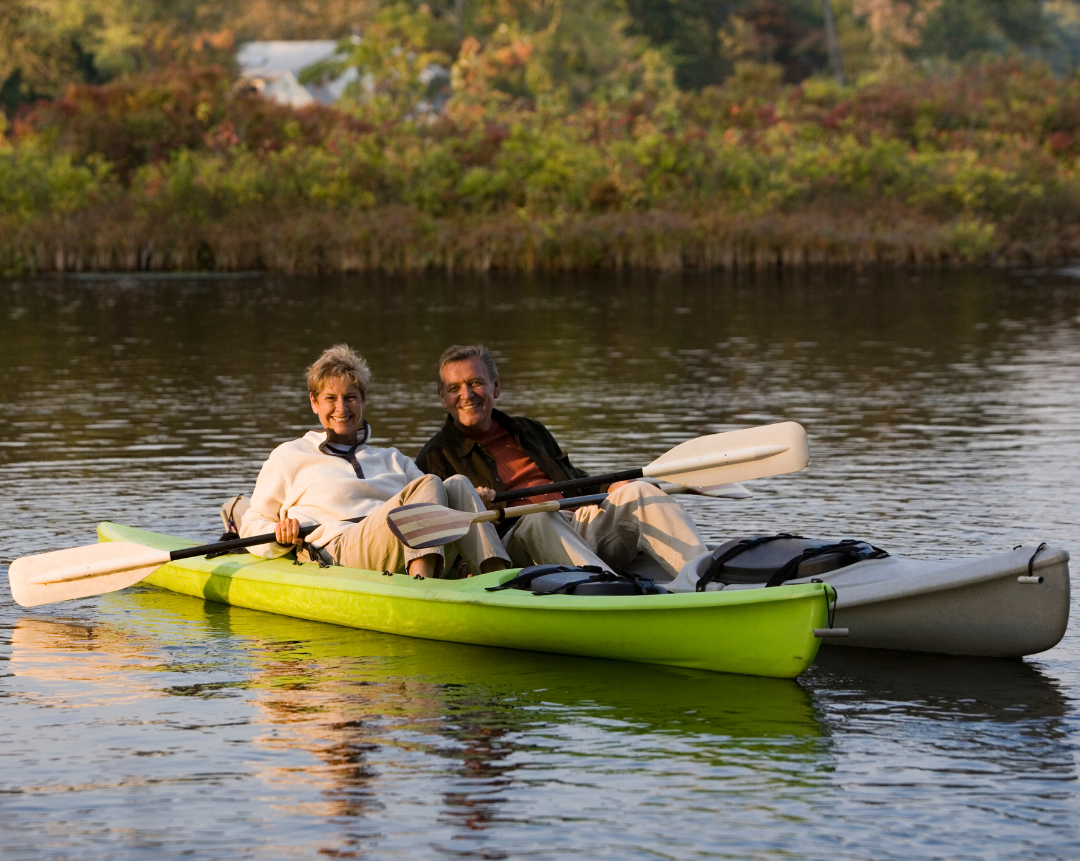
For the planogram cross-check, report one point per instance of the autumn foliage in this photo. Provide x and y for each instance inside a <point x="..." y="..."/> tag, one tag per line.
<point x="190" y="169"/>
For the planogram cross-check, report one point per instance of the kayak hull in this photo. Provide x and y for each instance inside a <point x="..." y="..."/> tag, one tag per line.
<point x="1003" y="606"/>
<point x="987" y="607"/>
<point x="765" y="634"/>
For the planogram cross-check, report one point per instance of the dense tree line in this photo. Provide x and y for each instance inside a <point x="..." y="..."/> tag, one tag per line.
<point x="46" y="45"/>
<point x="598" y="133"/>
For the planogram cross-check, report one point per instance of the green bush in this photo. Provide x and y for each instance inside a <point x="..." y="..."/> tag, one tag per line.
<point x="978" y="164"/>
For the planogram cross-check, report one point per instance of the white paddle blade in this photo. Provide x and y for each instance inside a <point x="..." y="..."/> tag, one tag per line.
<point x="733" y="490"/>
<point x="79" y="572"/>
<point x="425" y="524"/>
<point x="740" y="455"/>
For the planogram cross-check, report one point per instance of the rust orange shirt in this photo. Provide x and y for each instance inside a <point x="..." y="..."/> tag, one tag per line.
<point x="516" y="469"/>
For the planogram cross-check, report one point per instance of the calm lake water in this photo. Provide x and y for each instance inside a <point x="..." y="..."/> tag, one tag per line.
<point x="944" y="421"/>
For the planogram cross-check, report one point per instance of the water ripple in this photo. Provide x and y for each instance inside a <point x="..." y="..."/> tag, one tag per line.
<point x="943" y="422"/>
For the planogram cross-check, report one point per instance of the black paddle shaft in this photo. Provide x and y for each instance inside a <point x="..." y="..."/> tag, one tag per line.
<point x="240" y="543"/>
<point x="572" y="484"/>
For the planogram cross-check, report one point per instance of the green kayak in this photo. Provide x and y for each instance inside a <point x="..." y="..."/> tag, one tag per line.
<point x="759" y="632"/>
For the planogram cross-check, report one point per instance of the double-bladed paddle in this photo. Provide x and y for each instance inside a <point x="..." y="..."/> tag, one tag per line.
<point x="79" y="572"/>
<point x="716" y="459"/>
<point x="733" y="490"/>
<point x="95" y="569"/>
<point x="700" y="463"/>
<point x="426" y="524"/>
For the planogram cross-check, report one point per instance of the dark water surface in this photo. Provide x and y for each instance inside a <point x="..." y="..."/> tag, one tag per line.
<point x="944" y="421"/>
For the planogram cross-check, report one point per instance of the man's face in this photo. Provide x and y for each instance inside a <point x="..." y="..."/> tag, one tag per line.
<point x="469" y="394"/>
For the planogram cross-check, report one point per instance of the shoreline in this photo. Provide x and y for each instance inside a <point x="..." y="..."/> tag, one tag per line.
<point x="181" y="171"/>
<point x="397" y="240"/>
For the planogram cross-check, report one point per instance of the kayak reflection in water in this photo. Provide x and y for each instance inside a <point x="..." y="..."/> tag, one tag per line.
<point x="498" y="452"/>
<point x="327" y="478"/>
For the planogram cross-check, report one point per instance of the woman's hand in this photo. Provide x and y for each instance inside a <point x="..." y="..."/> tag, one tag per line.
<point x="487" y="495"/>
<point x="287" y="531"/>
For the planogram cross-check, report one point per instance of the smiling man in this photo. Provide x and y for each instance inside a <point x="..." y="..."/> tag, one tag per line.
<point x="328" y="477"/>
<point x="499" y="452"/>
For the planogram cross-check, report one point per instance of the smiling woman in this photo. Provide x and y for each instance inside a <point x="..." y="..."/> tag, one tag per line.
<point x="337" y="385"/>
<point x="330" y="478"/>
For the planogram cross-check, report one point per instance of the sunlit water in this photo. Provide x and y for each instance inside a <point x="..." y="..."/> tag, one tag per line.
<point x="944" y="421"/>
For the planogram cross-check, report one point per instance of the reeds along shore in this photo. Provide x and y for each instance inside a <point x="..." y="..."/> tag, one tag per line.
<point x="185" y="171"/>
<point x="401" y="240"/>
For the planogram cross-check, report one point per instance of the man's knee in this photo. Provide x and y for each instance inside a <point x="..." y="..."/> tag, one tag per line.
<point x="462" y="495"/>
<point x="635" y="491"/>
<point x="457" y="484"/>
<point x="532" y="527"/>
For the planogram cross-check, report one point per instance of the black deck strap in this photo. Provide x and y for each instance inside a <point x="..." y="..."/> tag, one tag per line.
<point x="226" y="536"/>
<point x="319" y="554"/>
<point x="830" y="603"/>
<point x="717" y="565"/>
<point x="593" y="574"/>
<point x="524" y="579"/>
<point x="859" y="551"/>
<point x="644" y="585"/>
<point x="647" y="586"/>
<point x="234" y="527"/>
<point x="566" y="588"/>
<point x="1031" y="561"/>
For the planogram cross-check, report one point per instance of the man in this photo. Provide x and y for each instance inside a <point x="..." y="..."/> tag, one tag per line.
<point x="499" y="452"/>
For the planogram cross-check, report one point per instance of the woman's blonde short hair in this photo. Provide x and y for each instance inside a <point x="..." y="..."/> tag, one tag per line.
<point x="339" y="361"/>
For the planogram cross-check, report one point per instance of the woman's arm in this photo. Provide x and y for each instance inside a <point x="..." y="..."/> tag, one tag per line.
<point x="264" y="515"/>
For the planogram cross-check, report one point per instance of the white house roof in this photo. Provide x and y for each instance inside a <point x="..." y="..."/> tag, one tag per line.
<point x="273" y="68"/>
<point x="266" y="58"/>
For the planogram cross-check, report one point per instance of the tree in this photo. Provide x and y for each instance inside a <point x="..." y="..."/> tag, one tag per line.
<point x="835" y="56"/>
<point x="896" y="25"/>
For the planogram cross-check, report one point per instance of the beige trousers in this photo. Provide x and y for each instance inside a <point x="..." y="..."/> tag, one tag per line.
<point x="370" y="543"/>
<point x="636" y="517"/>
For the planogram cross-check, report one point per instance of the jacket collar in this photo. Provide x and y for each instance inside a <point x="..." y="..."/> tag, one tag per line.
<point x="318" y="438"/>
<point x="462" y="444"/>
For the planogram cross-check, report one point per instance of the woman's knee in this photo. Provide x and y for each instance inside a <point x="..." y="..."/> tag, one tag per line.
<point x="427" y="488"/>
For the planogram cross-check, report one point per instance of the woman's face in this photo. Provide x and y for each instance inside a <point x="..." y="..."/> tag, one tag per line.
<point x="340" y="409"/>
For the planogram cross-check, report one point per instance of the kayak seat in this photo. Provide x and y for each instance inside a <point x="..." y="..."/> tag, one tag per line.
<point x="775" y="559"/>
<point x="583" y="580"/>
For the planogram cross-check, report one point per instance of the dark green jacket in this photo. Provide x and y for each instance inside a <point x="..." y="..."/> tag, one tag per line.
<point x="450" y="452"/>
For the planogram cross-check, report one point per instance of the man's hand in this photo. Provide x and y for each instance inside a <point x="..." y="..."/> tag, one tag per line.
<point x="287" y="531"/>
<point x="487" y="495"/>
<point x="615" y="485"/>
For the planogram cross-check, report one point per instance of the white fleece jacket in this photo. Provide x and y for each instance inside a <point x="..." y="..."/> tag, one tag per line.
<point x="300" y="481"/>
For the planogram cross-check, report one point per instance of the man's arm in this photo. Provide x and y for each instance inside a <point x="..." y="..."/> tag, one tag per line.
<point x="540" y="444"/>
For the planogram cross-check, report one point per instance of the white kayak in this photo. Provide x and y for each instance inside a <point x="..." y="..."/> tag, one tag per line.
<point x="1009" y="605"/>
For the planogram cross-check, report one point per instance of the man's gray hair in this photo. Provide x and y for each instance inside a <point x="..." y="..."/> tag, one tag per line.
<point x="458" y="353"/>
<point x="339" y="361"/>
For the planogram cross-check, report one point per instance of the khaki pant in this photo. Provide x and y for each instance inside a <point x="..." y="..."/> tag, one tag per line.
<point x="370" y="543"/>
<point x="636" y="517"/>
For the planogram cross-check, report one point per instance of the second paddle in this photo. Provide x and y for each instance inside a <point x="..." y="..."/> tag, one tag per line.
<point x="425" y="524"/>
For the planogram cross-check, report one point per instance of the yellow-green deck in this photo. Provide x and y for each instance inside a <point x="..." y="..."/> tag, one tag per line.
<point x="761" y="632"/>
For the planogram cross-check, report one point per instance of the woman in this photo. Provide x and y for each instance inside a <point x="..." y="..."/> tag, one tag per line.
<point x="326" y="478"/>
